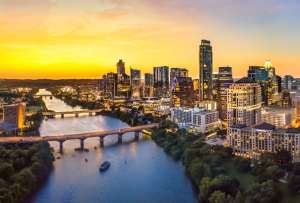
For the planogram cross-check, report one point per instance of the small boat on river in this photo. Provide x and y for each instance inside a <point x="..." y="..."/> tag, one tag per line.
<point x="104" y="166"/>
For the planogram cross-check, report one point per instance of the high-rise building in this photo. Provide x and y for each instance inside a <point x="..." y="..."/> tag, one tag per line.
<point x="120" y="67"/>
<point x="244" y="103"/>
<point x="161" y="81"/>
<point x="205" y="70"/>
<point x="123" y="87"/>
<point x="288" y="82"/>
<point x="148" y="85"/>
<point x="108" y="85"/>
<point x="196" y="85"/>
<point x="277" y="116"/>
<point x="260" y="75"/>
<point x="273" y="88"/>
<point x="224" y="81"/>
<point x="268" y="80"/>
<point x="183" y="92"/>
<point x="13" y="117"/>
<point x="177" y="72"/>
<point x="135" y="81"/>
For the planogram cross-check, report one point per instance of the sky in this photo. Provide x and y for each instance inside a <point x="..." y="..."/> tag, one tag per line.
<point x="85" y="38"/>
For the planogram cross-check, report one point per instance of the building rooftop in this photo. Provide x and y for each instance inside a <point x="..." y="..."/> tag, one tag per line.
<point x="293" y="130"/>
<point x="245" y="80"/>
<point x="239" y="126"/>
<point x="265" y="126"/>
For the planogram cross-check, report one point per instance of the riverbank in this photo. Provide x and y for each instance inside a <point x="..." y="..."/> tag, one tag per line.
<point x="23" y="170"/>
<point x="216" y="173"/>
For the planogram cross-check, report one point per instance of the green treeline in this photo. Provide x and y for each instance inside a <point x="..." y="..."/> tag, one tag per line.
<point x="23" y="168"/>
<point x="221" y="177"/>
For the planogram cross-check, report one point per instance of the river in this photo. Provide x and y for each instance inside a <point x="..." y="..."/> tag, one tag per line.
<point x="140" y="172"/>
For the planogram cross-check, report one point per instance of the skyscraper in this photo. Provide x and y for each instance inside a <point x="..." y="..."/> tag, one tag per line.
<point x="161" y="81"/>
<point x="120" y="67"/>
<point x="244" y="103"/>
<point x="108" y="85"/>
<point x="178" y="72"/>
<point x="135" y="82"/>
<point x="148" y="86"/>
<point x="183" y="92"/>
<point x="205" y="70"/>
<point x="224" y="81"/>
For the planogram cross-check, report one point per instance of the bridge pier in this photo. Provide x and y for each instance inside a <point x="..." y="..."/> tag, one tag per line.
<point x="120" y="137"/>
<point x="81" y="144"/>
<point x="136" y="135"/>
<point x="76" y="115"/>
<point x="62" y="115"/>
<point x="90" y="113"/>
<point x="61" y="146"/>
<point x="101" y="141"/>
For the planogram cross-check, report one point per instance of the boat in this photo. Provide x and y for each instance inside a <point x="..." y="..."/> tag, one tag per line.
<point x="104" y="166"/>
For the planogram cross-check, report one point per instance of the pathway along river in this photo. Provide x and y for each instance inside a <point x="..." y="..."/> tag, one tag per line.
<point x="140" y="172"/>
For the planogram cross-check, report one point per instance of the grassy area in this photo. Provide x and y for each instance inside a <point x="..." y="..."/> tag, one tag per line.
<point x="246" y="179"/>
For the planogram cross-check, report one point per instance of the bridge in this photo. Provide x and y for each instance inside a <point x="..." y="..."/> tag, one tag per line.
<point x="52" y="114"/>
<point x="80" y="136"/>
<point x="43" y="96"/>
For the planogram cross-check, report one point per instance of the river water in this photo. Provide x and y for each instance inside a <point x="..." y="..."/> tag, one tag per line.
<point x="140" y="172"/>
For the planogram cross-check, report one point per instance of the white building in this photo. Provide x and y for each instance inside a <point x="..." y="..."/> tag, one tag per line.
<point x="196" y="118"/>
<point x="279" y="117"/>
<point x="251" y="142"/>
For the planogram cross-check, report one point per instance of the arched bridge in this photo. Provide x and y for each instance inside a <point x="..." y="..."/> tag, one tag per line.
<point x="52" y="114"/>
<point x="80" y="136"/>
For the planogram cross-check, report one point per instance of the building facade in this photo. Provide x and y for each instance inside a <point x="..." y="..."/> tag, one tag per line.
<point x="135" y="82"/>
<point x="13" y="117"/>
<point x="244" y="103"/>
<point x="198" y="119"/>
<point x="205" y="70"/>
<point x="161" y="81"/>
<point x="148" y="85"/>
<point x="183" y="92"/>
<point x="251" y="142"/>
<point x="279" y="117"/>
<point x="120" y="67"/>
<point x="224" y="81"/>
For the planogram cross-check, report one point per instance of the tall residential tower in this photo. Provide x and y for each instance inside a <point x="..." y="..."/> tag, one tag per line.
<point x="205" y="70"/>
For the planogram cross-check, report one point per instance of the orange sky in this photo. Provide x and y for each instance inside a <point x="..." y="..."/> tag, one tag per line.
<point x="85" y="38"/>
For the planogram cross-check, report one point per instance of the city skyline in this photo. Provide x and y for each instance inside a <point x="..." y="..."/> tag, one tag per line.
<point x="56" y="39"/>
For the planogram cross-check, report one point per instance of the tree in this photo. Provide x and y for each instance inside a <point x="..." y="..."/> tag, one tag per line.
<point x="265" y="192"/>
<point x="294" y="183"/>
<point x="6" y="170"/>
<point x="204" y="188"/>
<point x="217" y="197"/>
<point x="198" y="170"/>
<point x="226" y="184"/>
<point x="283" y="158"/>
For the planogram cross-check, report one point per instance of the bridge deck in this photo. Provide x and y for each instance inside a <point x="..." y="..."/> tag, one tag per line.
<point x="50" y="113"/>
<point x="59" y="138"/>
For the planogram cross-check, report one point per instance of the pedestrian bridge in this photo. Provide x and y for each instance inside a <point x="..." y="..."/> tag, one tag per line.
<point x="53" y="114"/>
<point x="80" y="136"/>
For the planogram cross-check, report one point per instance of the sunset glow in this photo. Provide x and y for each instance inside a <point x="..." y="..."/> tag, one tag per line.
<point x="85" y="38"/>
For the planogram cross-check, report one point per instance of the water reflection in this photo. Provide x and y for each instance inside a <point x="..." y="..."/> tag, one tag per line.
<point x="140" y="172"/>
